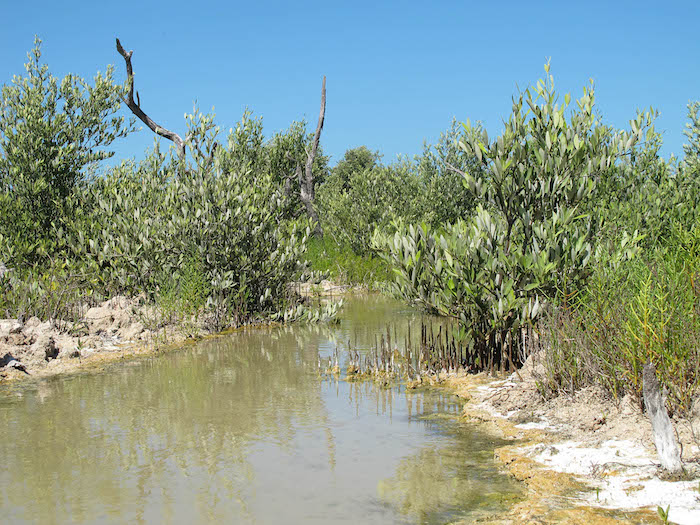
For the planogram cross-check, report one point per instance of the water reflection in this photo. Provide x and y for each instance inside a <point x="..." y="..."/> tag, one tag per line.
<point x="238" y="429"/>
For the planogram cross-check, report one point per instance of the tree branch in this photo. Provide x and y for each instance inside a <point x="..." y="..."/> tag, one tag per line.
<point x="317" y="136"/>
<point x="136" y="107"/>
<point x="307" y="189"/>
<point x="456" y="170"/>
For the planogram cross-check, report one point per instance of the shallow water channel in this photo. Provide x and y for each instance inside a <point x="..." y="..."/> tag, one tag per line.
<point x="240" y="429"/>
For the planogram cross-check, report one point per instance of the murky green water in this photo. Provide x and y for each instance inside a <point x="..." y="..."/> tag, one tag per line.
<point x="240" y="429"/>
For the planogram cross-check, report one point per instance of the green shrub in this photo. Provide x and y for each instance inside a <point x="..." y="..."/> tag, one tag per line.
<point x="51" y="131"/>
<point x="443" y="198"/>
<point x="647" y="194"/>
<point x="640" y="310"/>
<point x="58" y="292"/>
<point x="351" y="209"/>
<point x="208" y="235"/>
<point x="342" y="264"/>
<point x="528" y="240"/>
<point x="143" y="222"/>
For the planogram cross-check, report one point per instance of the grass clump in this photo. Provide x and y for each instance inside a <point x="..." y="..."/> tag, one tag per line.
<point x="341" y="264"/>
<point x="643" y="310"/>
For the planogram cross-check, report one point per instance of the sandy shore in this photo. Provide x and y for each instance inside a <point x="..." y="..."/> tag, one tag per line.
<point x="584" y="459"/>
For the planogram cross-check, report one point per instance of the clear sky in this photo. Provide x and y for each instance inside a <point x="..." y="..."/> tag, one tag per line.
<point x="398" y="72"/>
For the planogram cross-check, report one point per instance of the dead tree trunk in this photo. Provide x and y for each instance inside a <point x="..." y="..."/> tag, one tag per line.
<point x="664" y="437"/>
<point x="307" y="184"/>
<point x="135" y="107"/>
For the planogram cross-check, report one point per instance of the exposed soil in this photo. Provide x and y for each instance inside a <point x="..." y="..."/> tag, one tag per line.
<point x="111" y="331"/>
<point x="584" y="458"/>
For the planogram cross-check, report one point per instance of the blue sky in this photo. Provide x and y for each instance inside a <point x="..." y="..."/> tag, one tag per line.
<point x="398" y="72"/>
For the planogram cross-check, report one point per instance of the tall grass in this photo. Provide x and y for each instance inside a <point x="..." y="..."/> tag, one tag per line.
<point x="642" y="310"/>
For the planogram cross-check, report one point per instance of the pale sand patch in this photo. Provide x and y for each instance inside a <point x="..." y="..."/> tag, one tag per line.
<point x="605" y="445"/>
<point x="625" y="476"/>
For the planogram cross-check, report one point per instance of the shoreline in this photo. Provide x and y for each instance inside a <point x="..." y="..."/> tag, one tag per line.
<point x="119" y="329"/>
<point x="582" y="458"/>
<point x="589" y="470"/>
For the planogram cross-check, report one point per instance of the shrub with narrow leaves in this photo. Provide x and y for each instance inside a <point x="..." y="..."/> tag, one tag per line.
<point x="528" y="239"/>
<point x="51" y="132"/>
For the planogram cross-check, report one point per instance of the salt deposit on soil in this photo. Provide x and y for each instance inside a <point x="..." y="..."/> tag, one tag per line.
<point x="607" y="445"/>
<point x="625" y="476"/>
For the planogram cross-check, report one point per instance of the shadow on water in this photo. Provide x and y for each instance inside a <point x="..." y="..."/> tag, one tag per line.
<point x="241" y="429"/>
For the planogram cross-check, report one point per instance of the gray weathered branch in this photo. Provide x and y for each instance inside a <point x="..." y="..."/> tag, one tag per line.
<point x="135" y="107"/>
<point x="307" y="190"/>
<point x="664" y="437"/>
<point x="456" y="170"/>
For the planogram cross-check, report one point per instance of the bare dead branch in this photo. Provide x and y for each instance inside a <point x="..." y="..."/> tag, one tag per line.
<point x="288" y="187"/>
<point x="136" y="107"/>
<point x="317" y="136"/>
<point x="209" y="158"/>
<point x="298" y="174"/>
<point x="212" y="153"/>
<point x="307" y="186"/>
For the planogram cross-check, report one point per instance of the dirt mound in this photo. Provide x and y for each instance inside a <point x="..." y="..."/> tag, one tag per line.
<point x="590" y="438"/>
<point x="46" y="347"/>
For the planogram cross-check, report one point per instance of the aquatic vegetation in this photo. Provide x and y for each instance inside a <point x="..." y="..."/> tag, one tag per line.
<point x="439" y="350"/>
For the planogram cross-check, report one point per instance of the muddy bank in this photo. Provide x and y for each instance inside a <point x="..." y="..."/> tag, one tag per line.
<point x="585" y="459"/>
<point x="111" y="331"/>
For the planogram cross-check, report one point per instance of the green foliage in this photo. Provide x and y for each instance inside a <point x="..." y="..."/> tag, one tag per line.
<point x="182" y="297"/>
<point x="362" y="195"/>
<point x="286" y="154"/>
<point x="51" y="131"/>
<point x="353" y="203"/>
<point x="663" y="514"/>
<point x="632" y="312"/>
<point x="213" y="235"/>
<point x="647" y="194"/>
<point x="204" y="238"/>
<point x="528" y="239"/>
<point x="342" y="264"/>
<point x="692" y="131"/>
<point x="355" y="160"/>
<point x="143" y="222"/>
<point x="443" y="197"/>
<point x="56" y="292"/>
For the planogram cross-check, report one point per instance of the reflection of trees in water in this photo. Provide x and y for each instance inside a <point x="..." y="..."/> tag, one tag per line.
<point x="171" y="438"/>
<point x="453" y="475"/>
<point x="364" y="394"/>
<point x="188" y="418"/>
<point x="434" y="484"/>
